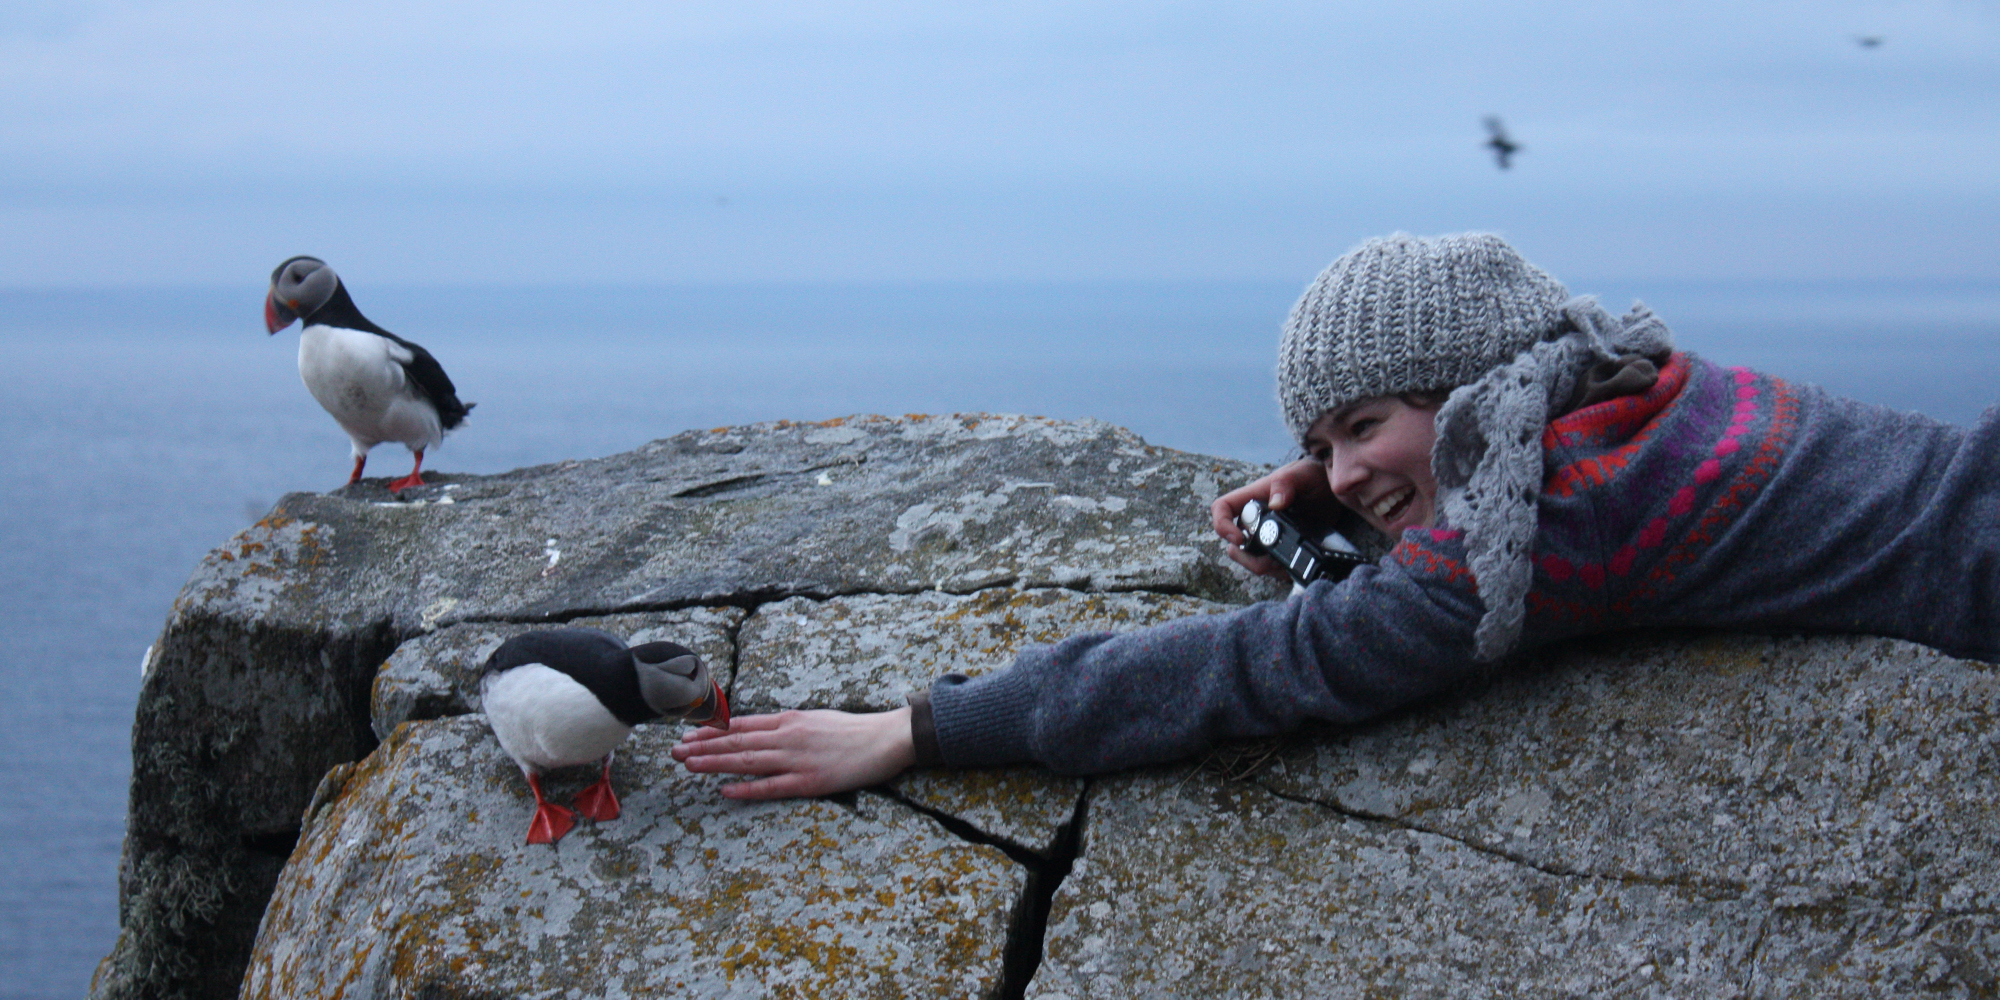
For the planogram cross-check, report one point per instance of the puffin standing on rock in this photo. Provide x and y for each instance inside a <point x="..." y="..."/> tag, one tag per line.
<point x="379" y="386"/>
<point x="569" y="696"/>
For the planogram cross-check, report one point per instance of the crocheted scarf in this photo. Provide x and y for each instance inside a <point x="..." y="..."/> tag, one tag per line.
<point x="1488" y="460"/>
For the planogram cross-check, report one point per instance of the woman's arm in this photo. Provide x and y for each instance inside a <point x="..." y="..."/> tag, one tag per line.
<point x="802" y="753"/>
<point x="1388" y="635"/>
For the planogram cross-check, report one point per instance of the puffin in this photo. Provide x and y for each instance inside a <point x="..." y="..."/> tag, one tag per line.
<point x="560" y="697"/>
<point x="378" y="386"/>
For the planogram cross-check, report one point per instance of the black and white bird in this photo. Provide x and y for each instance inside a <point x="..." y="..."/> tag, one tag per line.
<point x="1503" y="147"/>
<point x="567" y="696"/>
<point x="379" y="386"/>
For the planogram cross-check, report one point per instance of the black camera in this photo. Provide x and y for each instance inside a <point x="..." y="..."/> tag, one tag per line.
<point x="1308" y="552"/>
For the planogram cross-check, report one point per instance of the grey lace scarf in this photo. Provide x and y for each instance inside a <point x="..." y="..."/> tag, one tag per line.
<point x="1488" y="459"/>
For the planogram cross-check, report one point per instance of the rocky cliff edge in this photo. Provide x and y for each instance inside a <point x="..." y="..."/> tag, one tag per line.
<point x="319" y="811"/>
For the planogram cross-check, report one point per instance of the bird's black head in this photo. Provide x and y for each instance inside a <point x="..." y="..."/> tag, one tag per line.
<point x="299" y="287"/>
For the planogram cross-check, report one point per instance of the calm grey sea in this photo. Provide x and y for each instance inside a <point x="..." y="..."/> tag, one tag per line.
<point x="145" y="427"/>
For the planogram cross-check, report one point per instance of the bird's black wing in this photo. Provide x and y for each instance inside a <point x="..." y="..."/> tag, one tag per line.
<point x="423" y="371"/>
<point x="430" y="380"/>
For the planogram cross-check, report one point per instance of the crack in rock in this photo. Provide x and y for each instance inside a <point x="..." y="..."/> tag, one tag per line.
<point x="1709" y="889"/>
<point x="1046" y="872"/>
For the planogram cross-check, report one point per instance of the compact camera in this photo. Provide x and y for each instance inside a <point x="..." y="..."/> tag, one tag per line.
<point x="1307" y="551"/>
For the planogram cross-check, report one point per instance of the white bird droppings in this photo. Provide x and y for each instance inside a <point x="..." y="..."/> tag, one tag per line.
<point x="438" y="609"/>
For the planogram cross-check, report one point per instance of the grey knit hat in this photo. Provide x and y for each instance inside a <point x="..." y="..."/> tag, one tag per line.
<point x="1409" y="314"/>
<point x="1465" y="313"/>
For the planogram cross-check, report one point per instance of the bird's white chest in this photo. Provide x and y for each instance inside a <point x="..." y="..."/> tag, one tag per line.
<point x="358" y="377"/>
<point x="544" y="718"/>
<point x="350" y="371"/>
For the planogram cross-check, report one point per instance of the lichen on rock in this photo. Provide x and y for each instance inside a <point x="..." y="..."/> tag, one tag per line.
<point x="415" y="881"/>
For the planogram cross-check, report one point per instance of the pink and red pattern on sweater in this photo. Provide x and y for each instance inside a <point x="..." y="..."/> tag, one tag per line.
<point x="1639" y="488"/>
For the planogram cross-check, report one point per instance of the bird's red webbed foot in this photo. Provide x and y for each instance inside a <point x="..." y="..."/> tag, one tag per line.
<point x="551" y="821"/>
<point x="598" y="801"/>
<point x="415" y="478"/>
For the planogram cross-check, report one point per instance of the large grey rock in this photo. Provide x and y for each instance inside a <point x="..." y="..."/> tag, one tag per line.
<point x="1653" y="815"/>
<point x="412" y="880"/>
<point x="866" y="505"/>
<point x="1690" y="816"/>
<point x="262" y="680"/>
<point x="866" y="653"/>
<point x="1199" y="887"/>
<point x="1810" y="770"/>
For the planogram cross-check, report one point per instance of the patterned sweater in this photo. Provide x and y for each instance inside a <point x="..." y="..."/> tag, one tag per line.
<point x="1718" y="498"/>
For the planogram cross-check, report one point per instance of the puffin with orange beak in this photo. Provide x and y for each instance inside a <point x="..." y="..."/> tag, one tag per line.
<point x="568" y="696"/>
<point x="378" y="386"/>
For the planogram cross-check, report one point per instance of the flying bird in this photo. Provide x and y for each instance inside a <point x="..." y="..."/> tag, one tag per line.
<point x="561" y="697"/>
<point x="378" y="386"/>
<point x="1503" y="147"/>
<point x="1869" y="41"/>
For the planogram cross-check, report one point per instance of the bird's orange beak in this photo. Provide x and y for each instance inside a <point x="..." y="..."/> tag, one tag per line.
<point x="718" y="709"/>
<point x="277" y="317"/>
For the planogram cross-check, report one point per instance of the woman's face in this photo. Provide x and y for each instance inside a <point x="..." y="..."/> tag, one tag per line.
<point x="1377" y="455"/>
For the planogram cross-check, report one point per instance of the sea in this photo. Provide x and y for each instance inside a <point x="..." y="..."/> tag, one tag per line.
<point x="143" y="427"/>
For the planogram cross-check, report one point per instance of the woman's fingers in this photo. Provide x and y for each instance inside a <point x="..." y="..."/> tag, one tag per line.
<point x="759" y="761"/>
<point x="1222" y="518"/>
<point x="739" y="724"/>
<point x="784" y="786"/>
<point x="796" y="752"/>
<point x="726" y="743"/>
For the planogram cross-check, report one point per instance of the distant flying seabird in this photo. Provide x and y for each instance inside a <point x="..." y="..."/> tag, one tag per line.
<point x="1503" y="147"/>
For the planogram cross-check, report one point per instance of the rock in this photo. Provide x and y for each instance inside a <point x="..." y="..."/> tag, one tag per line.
<point x="1832" y="767"/>
<point x="1689" y="816"/>
<point x="1638" y="814"/>
<point x="1219" y="889"/>
<point x="413" y="880"/>
<point x="263" y="679"/>
<point x="865" y="653"/>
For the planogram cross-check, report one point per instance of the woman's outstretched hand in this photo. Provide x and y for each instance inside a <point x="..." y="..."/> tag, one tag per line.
<point x="802" y="753"/>
<point x="1303" y="481"/>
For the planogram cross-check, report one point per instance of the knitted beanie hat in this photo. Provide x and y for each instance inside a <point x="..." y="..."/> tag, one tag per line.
<point x="1465" y="313"/>
<point x="1410" y="314"/>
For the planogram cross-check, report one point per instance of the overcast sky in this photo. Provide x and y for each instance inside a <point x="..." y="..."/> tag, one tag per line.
<point x="201" y="141"/>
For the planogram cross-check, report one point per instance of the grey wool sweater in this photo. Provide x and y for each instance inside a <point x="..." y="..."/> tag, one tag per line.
<point x="1718" y="498"/>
